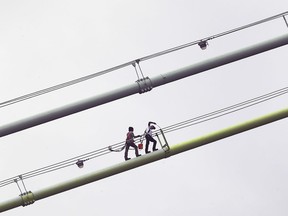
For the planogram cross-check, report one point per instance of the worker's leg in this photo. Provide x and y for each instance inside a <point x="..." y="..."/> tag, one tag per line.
<point x="151" y="139"/>
<point x="147" y="144"/>
<point x="136" y="149"/>
<point x="126" y="152"/>
<point x="154" y="144"/>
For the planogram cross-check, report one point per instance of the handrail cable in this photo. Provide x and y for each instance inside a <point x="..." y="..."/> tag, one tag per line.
<point x="171" y="128"/>
<point x="84" y="78"/>
<point x="226" y="110"/>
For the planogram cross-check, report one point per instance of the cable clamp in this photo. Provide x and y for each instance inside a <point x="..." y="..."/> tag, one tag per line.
<point x="145" y="85"/>
<point x="27" y="198"/>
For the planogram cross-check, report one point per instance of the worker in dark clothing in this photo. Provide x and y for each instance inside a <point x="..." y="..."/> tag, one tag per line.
<point x="130" y="142"/>
<point x="149" y="138"/>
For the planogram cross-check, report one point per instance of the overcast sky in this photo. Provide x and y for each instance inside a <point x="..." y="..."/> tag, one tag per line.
<point x="44" y="43"/>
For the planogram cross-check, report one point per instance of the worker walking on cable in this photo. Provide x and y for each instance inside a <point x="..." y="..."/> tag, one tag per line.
<point x="130" y="142"/>
<point x="149" y="138"/>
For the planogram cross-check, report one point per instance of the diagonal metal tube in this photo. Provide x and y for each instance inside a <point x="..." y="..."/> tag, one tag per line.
<point x="135" y="88"/>
<point x="143" y="160"/>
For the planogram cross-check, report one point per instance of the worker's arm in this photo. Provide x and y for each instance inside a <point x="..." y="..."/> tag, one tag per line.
<point x="150" y="122"/>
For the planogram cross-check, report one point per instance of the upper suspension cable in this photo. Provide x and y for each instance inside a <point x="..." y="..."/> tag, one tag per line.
<point x="94" y="75"/>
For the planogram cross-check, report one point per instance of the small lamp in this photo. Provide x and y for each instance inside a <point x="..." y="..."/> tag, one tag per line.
<point x="80" y="163"/>
<point x="203" y="44"/>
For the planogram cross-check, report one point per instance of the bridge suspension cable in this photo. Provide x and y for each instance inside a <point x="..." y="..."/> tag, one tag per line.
<point x="29" y="197"/>
<point x="190" y="122"/>
<point x="143" y="85"/>
<point x="151" y="56"/>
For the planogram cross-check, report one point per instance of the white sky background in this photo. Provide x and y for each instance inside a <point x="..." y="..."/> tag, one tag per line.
<point x="46" y="43"/>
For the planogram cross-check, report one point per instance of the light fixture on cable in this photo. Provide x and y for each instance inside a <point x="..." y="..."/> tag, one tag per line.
<point x="203" y="44"/>
<point x="80" y="163"/>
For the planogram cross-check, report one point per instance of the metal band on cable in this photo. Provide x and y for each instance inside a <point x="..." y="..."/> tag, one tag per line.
<point x="27" y="198"/>
<point x="145" y="85"/>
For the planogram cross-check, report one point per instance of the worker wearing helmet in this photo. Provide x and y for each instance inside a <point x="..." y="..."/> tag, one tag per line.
<point x="130" y="142"/>
<point x="149" y="138"/>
